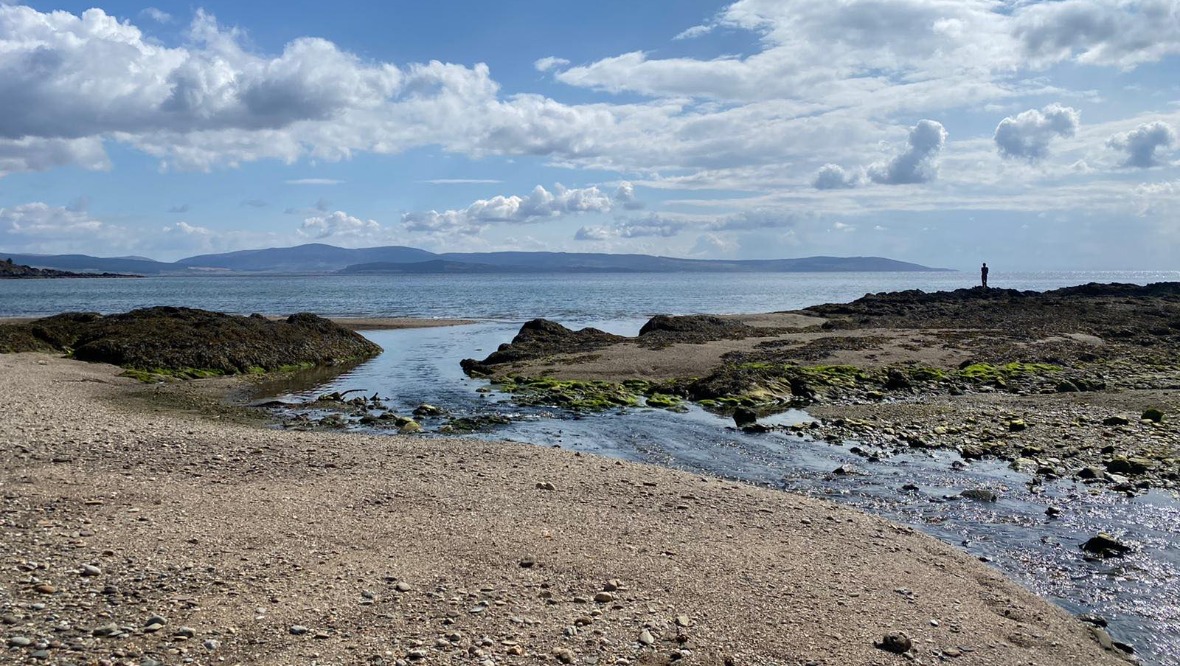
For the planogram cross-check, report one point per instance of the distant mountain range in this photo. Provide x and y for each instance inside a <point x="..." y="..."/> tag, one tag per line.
<point x="316" y="258"/>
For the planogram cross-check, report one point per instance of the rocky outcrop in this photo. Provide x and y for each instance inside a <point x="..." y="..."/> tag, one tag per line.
<point x="188" y="342"/>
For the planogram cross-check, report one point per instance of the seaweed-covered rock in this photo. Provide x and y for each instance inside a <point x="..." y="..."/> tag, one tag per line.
<point x="190" y="342"/>
<point x="540" y="338"/>
<point x="663" y="330"/>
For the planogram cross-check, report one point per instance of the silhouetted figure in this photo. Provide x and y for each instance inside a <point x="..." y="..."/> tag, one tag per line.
<point x="983" y="274"/>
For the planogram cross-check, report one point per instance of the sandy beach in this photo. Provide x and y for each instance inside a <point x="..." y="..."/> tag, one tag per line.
<point x="140" y="535"/>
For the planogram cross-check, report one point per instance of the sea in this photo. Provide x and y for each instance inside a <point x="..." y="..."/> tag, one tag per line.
<point x="1138" y="595"/>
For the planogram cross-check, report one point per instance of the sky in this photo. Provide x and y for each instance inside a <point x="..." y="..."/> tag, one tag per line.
<point x="1030" y="135"/>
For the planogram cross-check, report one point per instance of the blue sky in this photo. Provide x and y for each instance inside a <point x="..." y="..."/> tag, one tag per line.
<point x="1032" y="135"/>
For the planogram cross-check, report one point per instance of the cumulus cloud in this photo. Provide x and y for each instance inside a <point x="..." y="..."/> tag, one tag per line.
<point x="835" y="177"/>
<point x="42" y="225"/>
<point x="1027" y="135"/>
<point x="919" y="163"/>
<point x="540" y="204"/>
<point x="694" y="32"/>
<point x="1120" y="33"/>
<point x="340" y="225"/>
<point x="548" y="63"/>
<point x="1141" y="144"/>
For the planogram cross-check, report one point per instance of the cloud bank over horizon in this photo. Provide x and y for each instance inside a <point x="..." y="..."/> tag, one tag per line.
<point x="884" y="127"/>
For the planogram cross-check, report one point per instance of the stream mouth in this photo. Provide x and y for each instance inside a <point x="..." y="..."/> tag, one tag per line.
<point x="1138" y="594"/>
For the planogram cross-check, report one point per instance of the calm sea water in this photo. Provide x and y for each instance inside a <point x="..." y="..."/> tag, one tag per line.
<point x="1139" y="595"/>
<point x="571" y="299"/>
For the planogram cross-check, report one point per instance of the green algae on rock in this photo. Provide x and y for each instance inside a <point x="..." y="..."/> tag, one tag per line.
<point x="189" y="343"/>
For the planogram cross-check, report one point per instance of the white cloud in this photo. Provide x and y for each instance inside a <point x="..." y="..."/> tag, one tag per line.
<point x="919" y="163"/>
<point x="1120" y="33"/>
<point x="835" y="177"/>
<point x="695" y="31"/>
<point x="341" y="226"/>
<point x="665" y="225"/>
<point x="462" y="181"/>
<point x="1142" y="143"/>
<point x="157" y="15"/>
<point x="1027" y="135"/>
<point x="540" y="204"/>
<point x="546" y="64"/>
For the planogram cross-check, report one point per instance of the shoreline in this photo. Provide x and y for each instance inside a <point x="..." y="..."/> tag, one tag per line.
<point x="352" y="323"/>
<point x="439" y="542"/>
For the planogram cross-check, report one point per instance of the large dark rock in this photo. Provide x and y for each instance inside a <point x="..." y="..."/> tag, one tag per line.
<point x="182" y="340"/>
<point x="663" y="330"/>
<point x="540" y="338"/>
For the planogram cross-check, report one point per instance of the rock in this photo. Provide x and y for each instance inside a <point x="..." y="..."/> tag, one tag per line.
<point x="417" y="654"/>
<point x="1133" y="466"/>
<point x="155" y="619"/>
<point x="1104" y="545"/>
<point x="1016" y="425"/>
<point x="105" y="630"/>
<point x="44" y="588"/>
<point x="1066" y="386"/>
<point x="896" y="642"/>
<point x="298" y="630"/>
<point x="646" y="638"/>
<point x="19" y="641"/>
<point x="1153" y="414"/>
<point x="185" y="632"/>
<point x="410" y="427"/>
<point x="604" y="597"/>
<point x="1090" y="472"/>
<point x="980" y="495"/>
<point x="528" y="562"/>
<point x="403" y="587"/>
<point x="211" y="644"/>
<point x="683" y="621"/>
<point x="427" y="410"/>
<point x="564" y="655"/>
<point x="744" y="416"/>
<point x="90" y="570"/>
<point x="1116" y="421"/>
<point x="612" y="585"/>
<point x="1052" y="512"/>
<point x="545" y="485"/>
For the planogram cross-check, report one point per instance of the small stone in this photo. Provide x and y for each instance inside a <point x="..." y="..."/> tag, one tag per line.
<point x="1053" y="512"/>
<point x="155" y="619"/>
<point x="1116" y="421"/>
<point x="1153" y="414"/>
<point x="515" y="650"/>
<point x="683" y="621"/>
<point x="952" y="652"/>
<point x="403" y="587"/>
<point x="896" y="642"/>
<point x="646" y="638"/>
<point x="152" y="628"/>
<point x="612" y="585"/>
<point x="545" y="485"/>
<point x="90" y="570"/>
<point x="44" y="588"/>
<point x="105" y="631"/>
<point x="211" y="644"/>
<point x="298" y="630"/>
<point x="564" y="655"/>
<point x="417" y="653"/>
<point x="980" y="495"/>
<point x="604" y="597"/>
<point x="19" y="641"/>
<point x="185" y="632"/>
<point x="528" y="562"/>
<point x="40" y="654"/>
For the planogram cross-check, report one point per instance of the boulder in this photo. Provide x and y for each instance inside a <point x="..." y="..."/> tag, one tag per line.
<point x="1105" y="545"/>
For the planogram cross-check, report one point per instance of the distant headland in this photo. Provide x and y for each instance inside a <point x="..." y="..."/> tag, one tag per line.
<point x="317" y="258"/>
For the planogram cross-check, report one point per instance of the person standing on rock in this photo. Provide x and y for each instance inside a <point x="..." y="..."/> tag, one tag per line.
<point x="983" y="274"/>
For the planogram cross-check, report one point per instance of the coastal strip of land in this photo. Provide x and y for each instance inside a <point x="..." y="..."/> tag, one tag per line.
<point x="352" y="323"/>
<point x="141" y="535"/>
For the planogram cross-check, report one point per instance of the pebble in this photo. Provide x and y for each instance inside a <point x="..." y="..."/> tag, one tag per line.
<point x="44" y="588"/>
<point x="564" y="655"/>
<point x="156" y="619"/>
<point x="403" y="587"/>
<point x="90" y="570"/>
<point x="105" y="630"/>
<point x="896" y="642"/>
<point x="185" y="632"/>
<point x="604" y="597"/>
<point x="646" y="638"/>
<point x="545" y="485"/>
<point x="20" y="641"/>
<point x="528" y="562"/>
<point x="298" y="630"/>
<point x="683" y="621"/>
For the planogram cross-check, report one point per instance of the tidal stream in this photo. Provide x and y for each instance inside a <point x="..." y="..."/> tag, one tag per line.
<point x="1139" y="595"/>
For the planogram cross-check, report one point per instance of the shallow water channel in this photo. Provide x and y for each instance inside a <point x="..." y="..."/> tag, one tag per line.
<point x="1139" y="595"/>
